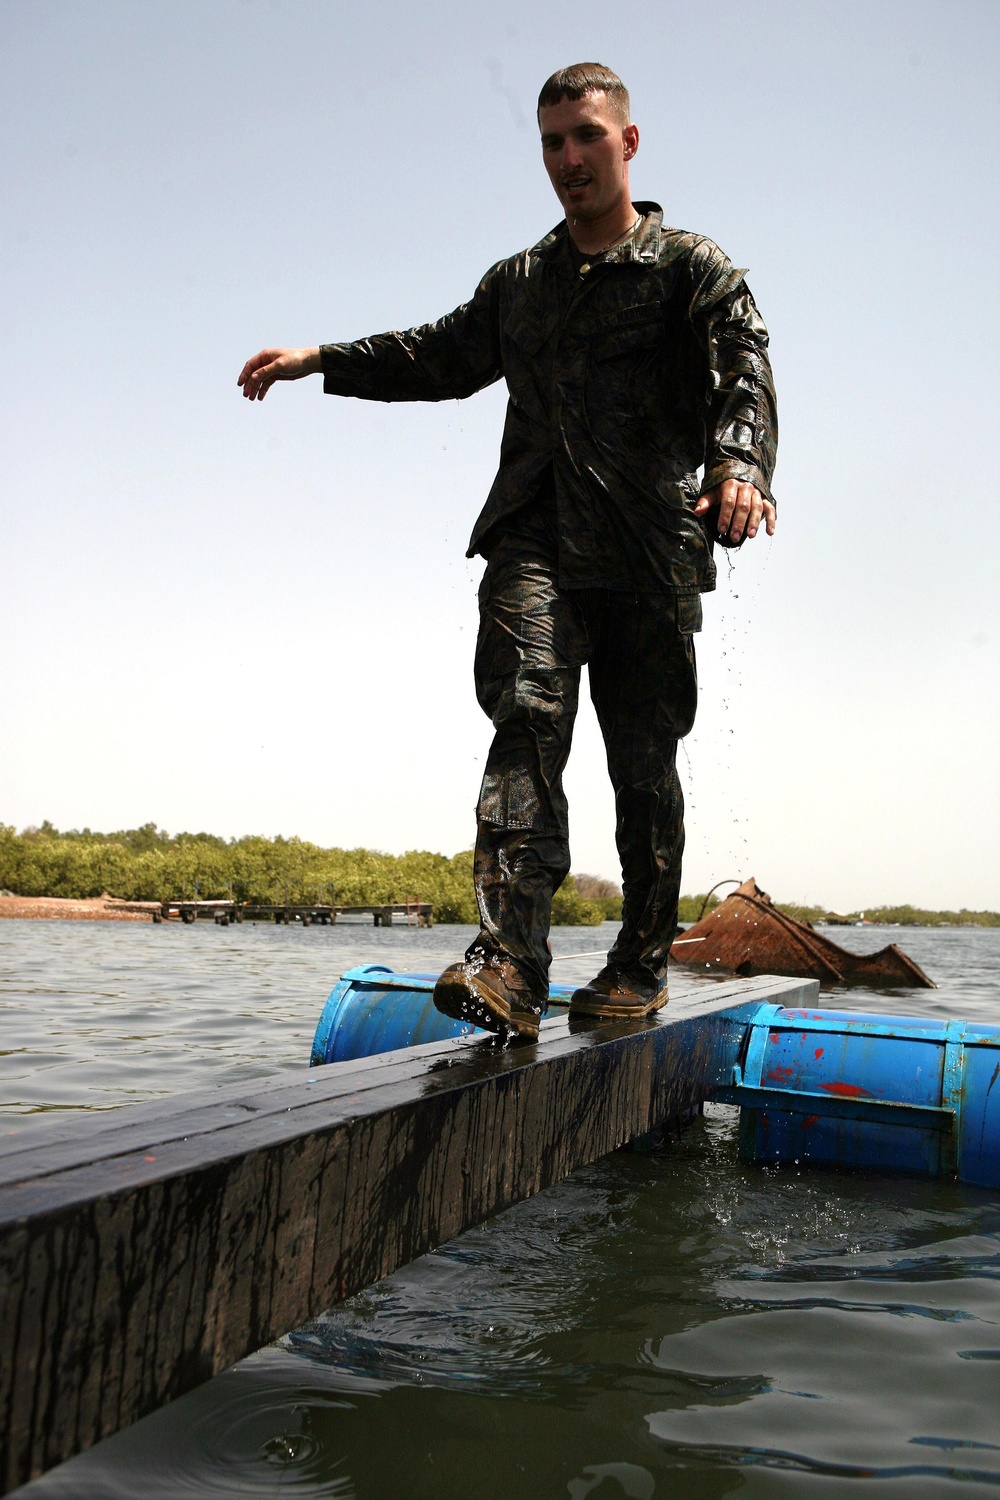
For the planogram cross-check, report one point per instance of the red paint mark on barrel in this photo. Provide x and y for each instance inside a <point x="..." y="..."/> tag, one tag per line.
<point x="779" y="1073"/>
<point x="809" y="1120"/>
<point x="845" y="1090"/>
<point x="818" y="1053"/>
<point x="149" y="1158"/>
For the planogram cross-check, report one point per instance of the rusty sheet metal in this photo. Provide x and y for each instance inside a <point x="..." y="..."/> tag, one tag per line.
<point x="746" y="934"/>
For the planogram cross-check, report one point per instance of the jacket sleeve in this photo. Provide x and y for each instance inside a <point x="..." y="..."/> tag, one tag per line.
<point x="443" y="361"/>
<point x="742" y="418"/>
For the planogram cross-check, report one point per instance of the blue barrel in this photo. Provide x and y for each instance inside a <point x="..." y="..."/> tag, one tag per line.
<point x="371" y="1010"/>
<point x="893" y="1093"/>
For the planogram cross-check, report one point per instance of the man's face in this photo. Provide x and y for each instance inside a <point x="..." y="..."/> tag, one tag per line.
<point x="586" y="151"/>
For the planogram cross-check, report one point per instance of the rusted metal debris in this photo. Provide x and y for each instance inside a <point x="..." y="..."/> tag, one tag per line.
<point x="745" y="934"/>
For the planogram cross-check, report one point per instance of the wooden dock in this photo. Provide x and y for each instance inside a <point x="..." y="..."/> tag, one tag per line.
<point x="146" y="1249"/>
<point x="413" y="913"/>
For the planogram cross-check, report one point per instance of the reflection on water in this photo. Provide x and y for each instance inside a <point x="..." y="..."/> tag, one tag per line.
<point x="668" y="1325"/>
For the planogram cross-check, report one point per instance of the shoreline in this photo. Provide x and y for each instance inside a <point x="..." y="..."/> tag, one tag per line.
<point x="110" y="909"/>
<point x="65" y="908"/>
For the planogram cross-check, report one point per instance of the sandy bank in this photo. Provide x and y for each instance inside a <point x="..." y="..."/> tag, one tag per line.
<point x="62" y="909"/>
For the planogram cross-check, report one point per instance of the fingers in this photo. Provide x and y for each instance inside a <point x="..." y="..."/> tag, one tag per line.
<point x="735" y="509"/>
<point x="755" y="512"/>
<point x="770" y="517"/>
<point x="727" y="492"/>
<point x="259" y="374"/>
<point x="253" y="365"/>
<point x="742" y="507"/>
<point x="760" y="510"/>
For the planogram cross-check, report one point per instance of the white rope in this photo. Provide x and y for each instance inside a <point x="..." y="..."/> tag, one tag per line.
<point x="557" y="958"/>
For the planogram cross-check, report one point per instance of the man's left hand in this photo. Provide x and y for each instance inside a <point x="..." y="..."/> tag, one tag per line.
<point x="741" y="508"/>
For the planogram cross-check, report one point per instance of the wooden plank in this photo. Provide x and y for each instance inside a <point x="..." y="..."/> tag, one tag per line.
<point x="145" y="1249"/>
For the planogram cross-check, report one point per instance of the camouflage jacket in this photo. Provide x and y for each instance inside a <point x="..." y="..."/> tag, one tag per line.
<point x="625" y="376"/>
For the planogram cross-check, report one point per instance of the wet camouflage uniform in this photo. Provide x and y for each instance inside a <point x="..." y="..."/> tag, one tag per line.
<point x="626" y="373"/>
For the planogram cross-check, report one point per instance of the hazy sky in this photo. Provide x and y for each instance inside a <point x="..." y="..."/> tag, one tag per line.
<point x="260" y="619"/>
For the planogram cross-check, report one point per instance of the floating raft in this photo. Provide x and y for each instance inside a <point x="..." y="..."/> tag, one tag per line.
<point x="145" y="1249"/>
<point x="834" y="1088"/>
<point x="747" y="935"/>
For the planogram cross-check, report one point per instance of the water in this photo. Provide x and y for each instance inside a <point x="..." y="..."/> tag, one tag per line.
<point x="662" y="1326"/>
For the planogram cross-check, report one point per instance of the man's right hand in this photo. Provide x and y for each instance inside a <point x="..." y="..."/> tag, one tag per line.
<point x="259" y="374"/>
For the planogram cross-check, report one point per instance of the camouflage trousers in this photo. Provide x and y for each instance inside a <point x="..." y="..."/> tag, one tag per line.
<point x="534" y="637"/>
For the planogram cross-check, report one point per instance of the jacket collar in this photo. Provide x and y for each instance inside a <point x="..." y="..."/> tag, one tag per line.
<point x="644" y="248"/>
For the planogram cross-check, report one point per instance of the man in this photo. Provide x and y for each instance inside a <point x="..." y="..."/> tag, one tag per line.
<point x="634" y="356"/>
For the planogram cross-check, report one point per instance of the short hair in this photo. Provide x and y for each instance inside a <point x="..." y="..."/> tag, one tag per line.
<point x="586" y="78"/>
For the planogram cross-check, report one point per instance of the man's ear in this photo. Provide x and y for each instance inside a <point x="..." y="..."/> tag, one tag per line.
<point x="630" y="141"/>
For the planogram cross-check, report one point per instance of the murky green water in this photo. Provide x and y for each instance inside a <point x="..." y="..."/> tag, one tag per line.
<point x="668" y="1326"/>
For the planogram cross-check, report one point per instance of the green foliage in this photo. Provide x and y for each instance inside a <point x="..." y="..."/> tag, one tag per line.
<point x="570" y="909"/>
<point x="608" y="897"/>
<point x="690" y="907"/>
<point x="611" y="907"/>
<point x="810" y="914"/>
<point x="601" y="892"/>
<point x="887" y="916"/>
<point x="147" y="864"/>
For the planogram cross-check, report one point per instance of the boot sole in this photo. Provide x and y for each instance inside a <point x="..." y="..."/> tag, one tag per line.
<point x="584" y="1004"/>
<point x="457" y="999"/>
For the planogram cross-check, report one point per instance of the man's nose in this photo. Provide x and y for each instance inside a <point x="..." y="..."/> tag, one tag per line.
<point x="571" y="155"/>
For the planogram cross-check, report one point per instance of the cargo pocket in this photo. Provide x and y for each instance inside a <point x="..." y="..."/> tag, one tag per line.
<point x="689" y="614"/>
<point x="509" y="799"/>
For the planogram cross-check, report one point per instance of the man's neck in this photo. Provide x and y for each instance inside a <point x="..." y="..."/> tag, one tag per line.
<point x="594" y="235"/>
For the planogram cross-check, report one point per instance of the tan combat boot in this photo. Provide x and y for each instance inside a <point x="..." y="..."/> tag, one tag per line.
<point x="490" y="991"/>
<point x="616" y="996"/>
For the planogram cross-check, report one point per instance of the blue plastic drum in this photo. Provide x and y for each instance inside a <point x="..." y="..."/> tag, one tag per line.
<point x="841" y="1088"/>
<point x="372" y="1010"/>
<point x="895" y="1093"/>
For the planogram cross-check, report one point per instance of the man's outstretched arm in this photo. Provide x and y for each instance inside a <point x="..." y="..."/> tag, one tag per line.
<point x="259" y="373"/>
<point x="443" y="361"/>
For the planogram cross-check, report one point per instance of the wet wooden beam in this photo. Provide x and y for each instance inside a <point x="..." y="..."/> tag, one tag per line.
<point x="145" y="1249"/>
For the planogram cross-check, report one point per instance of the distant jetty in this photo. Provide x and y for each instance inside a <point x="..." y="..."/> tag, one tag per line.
<point x="109" y="909"/>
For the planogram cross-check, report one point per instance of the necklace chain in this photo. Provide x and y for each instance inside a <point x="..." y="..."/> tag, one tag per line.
<point x="623" y="236"/>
